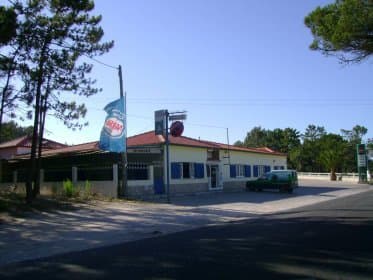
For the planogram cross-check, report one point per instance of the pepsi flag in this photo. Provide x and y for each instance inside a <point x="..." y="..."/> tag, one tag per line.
<point x="113" y="134"/>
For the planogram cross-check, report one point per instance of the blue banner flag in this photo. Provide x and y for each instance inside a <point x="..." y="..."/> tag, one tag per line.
<point x="113" y="134"/>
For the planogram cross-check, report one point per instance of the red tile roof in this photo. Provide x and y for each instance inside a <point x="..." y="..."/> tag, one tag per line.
<point x="149" y="139"/>
<point x="25" y="141"/>
<point x="14" y="143"/>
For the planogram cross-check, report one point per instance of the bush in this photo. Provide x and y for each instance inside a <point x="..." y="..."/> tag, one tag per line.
<point x="87" y="189"/>
<point x="68" y="188"/>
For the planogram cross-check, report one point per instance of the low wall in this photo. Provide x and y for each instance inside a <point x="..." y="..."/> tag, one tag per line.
<point x="234" y="185"/>
<point x="347" y="177"/>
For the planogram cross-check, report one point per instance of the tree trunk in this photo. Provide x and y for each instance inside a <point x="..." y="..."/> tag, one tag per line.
<point x="30" y="193"/>
<point x="43" y="112"/>
<point x="3" y="98"/>
<point x="333" y="176"/>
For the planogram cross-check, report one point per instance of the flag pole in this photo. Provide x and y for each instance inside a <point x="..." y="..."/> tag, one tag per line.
<point x="124" y="154"/>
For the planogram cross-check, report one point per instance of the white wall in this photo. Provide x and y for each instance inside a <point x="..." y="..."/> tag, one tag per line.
<point x="188" y="154"/>
<point x="247" y="158"/>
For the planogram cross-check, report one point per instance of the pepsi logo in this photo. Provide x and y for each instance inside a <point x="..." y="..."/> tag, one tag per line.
<point x="114" y="126"/>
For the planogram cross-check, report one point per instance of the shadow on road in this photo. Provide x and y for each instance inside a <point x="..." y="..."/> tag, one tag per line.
<point x="252" y="197"/>
<point x="314" y="246"/>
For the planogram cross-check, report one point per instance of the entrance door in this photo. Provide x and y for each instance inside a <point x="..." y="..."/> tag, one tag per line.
<point x="214" y="173"/>
<point x="158" y="179"/>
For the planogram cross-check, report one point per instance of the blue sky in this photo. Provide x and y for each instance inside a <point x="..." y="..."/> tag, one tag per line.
<point x="230" y="64"/>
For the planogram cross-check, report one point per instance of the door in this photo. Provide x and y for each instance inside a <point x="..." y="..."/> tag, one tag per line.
<point x="158" y="179"/>
<point x="213" y="175"/>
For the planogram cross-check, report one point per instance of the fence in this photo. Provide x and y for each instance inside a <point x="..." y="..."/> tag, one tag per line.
<point x="104" y="179"/>
<point x="351" y="177"/>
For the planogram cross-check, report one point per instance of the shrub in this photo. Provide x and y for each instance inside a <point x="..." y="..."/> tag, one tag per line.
<point x="68" y="188"/>
<point x="87" y="189"/>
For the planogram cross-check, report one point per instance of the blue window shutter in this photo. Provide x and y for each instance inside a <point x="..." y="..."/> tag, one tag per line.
<point x="247" y="171"/>
<point x="233" y="171"/>
<point x="199" y="171"/>
<point x="282" y="167"/>
<point x="175" y="170"/>
<point x="256" y="170"/>
<point x="267" y="168"/>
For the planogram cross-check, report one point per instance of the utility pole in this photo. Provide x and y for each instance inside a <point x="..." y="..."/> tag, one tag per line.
<point x="124" y="154"/>
<point x="167" y="159"/>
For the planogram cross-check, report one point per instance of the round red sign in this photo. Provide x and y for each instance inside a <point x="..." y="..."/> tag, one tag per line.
<point x="176" y="129"/>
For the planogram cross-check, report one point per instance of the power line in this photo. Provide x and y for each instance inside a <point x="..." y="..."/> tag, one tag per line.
<point x="103" y="63"/>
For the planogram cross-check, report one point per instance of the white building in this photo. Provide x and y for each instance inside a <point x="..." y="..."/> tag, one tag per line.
<point x="195" y="166"/>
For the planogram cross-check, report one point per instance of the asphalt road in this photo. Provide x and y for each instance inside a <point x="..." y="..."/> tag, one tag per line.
<point x="330" y="240"/>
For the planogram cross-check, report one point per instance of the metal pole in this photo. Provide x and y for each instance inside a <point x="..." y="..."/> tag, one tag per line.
<point x="124" y="154"/>
<point x="167" y="160"/>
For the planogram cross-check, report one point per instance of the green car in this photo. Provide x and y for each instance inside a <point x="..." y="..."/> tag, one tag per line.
<point x="283" y="180"/>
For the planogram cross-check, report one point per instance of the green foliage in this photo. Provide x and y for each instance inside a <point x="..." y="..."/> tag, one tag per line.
<point x="332" y="153"/>
<point x="317" y="152"/>
<point x="255" y="137"/>
<point x="8" y="24"/>
<point x="11" y="130"/>
<point x="51" y="39"/>
<point x="68" y="188"/>
<point x="87" y="189"/>
<point x="281" y="140"/>
<point x="343" y="28"/>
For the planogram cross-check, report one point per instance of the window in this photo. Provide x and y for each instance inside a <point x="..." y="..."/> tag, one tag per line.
<point x="232" y="169"/>
<point x="138" y="171"/>
<point x="247" y="171"/>
<point x="199" y="170"/>
<point x="259" y="170"/>
<point x="175" y="170"/>
<point x="213" y="154"/>
<point x="187" y="170"/>
<point x="240" y="170"/>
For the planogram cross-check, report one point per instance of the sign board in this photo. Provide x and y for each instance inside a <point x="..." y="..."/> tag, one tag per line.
<point x="370" y="154"/>
<point x="160" y="122"/>
<point x="179" y="117"/>
<point x="144" y="150"/>
<point x="361" y="160"/>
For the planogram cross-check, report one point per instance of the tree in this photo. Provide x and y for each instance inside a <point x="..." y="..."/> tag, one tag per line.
<point x="314" y="132"/>
<point x="52" y="37"/>
<point x="238" y="143"/>
<point x="11" y="130"/>
<point x="8" y="24"/>
<point x="281" y="140"/>
<point x="343" y="29"/>
<point x="353" y="137"/>
<point x="256" y="137"/>
<point x="333" y="150"/>
<point x="356" y="134"/>
<point x="311" y="148"/>
<point x="8" y="96"/>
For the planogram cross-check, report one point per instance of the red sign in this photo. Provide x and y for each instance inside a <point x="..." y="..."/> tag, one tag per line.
<point x="176" y="129"/>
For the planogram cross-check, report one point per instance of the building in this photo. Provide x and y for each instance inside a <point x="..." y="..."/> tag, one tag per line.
<point x="195" y="165"/>
<point x="22" y="146"/>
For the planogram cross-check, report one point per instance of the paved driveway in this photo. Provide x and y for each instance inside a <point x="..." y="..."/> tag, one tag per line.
<point x="105" y="223"/>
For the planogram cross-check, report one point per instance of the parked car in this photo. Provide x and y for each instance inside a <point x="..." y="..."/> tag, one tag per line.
<point x="283" y="180"/>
